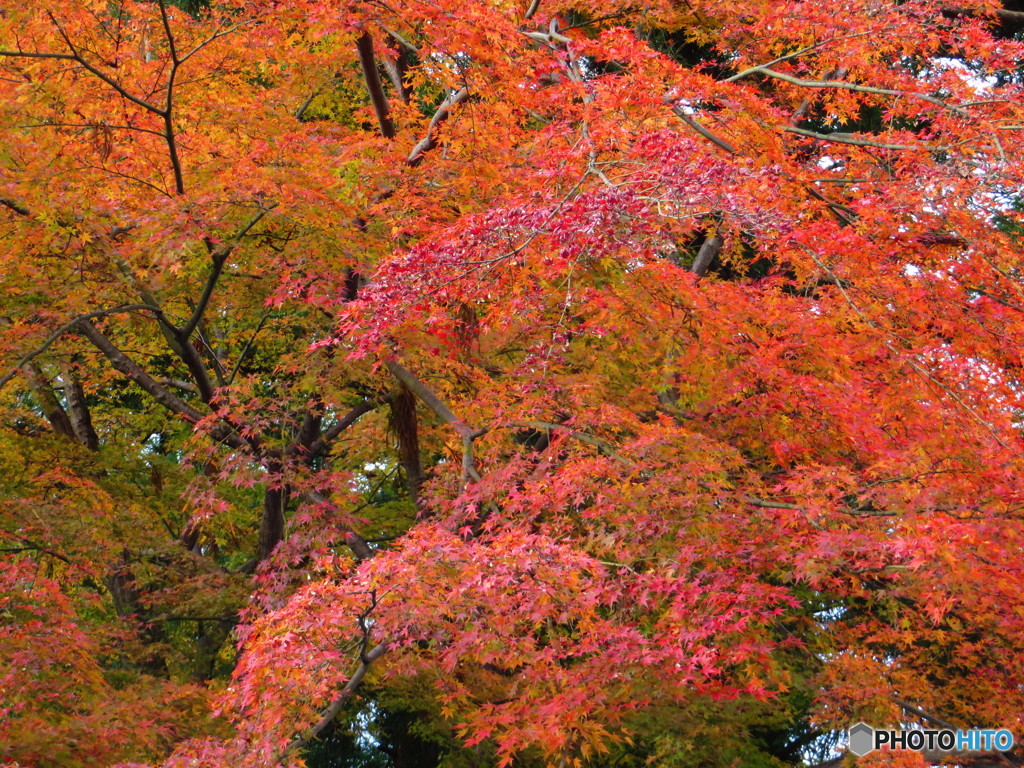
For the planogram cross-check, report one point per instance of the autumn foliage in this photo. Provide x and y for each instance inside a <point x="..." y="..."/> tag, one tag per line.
<point x="485" y="383"/>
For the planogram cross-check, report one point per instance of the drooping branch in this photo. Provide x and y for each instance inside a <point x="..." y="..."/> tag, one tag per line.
<point x="373" y="85"/>
<point x="367" y="656"/>
<point x="331" y="712"/>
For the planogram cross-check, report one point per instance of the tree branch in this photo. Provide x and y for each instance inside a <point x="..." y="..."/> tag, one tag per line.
<point x="47" y="401"/>
<point x="842" y="85"/>
<point x="328" y="715"/>
<point x="218" y="258"/>
<point x="131" y="369"/>
<point x="845" y="138"/>
<point x="37" y="55"/>
<point x="168" y="113"/>
<point x="716" y="140"/>
<point x="396" y="73"/>
<point x="922" y="714"/>
<point x="1012" y="19"/>
<point x="429" y="141"/>
<point x="224" y="433"/>
<point x="16" y="207"/>
<point x="174" y="336"/>
<point x="708" y="250"/>
<point x="78" y="410"/>
<point x="373" y="85"/>
<point x="321" y="445"/>
<point x="76" y="56"/>
<point x="49" y="340"/>
<point x="432" y="401"/>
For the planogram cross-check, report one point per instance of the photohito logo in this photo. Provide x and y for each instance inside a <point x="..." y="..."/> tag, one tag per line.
<point x="865" y="739"/>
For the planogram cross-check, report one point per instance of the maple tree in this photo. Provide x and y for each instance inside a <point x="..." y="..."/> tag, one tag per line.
<point x="485" y="382"/>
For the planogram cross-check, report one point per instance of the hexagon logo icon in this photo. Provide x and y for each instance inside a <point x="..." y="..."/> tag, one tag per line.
<point x="862" y="739"/>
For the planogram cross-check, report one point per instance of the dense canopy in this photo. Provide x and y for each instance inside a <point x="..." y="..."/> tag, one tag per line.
<point x="418" y="382"/>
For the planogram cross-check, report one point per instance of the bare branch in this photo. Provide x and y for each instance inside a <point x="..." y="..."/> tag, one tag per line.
<point x="398" y="38"/>
<point x="770" y="504"/>
<point x="584" y="437"/>
<point x="247" y="347"/>
<point x="359" y="546"/>
<point x="300" y="113"/>
<point x="211" y="38"/>
<point x="802" y="51"/>
<point x="168" y="113"/>
<point x="923" y="715"/>
<point x="224" y="433"/>
<point x="175" y="338"/>
<point x="842" y="212"/>
<point x="1014" y="19"/>
<point x="396" y="73"/>
<point x="184" y="386"/>
<point x="36" y="55"/>
<point x="167" y="32"/>
<point x="96" y="126"/>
